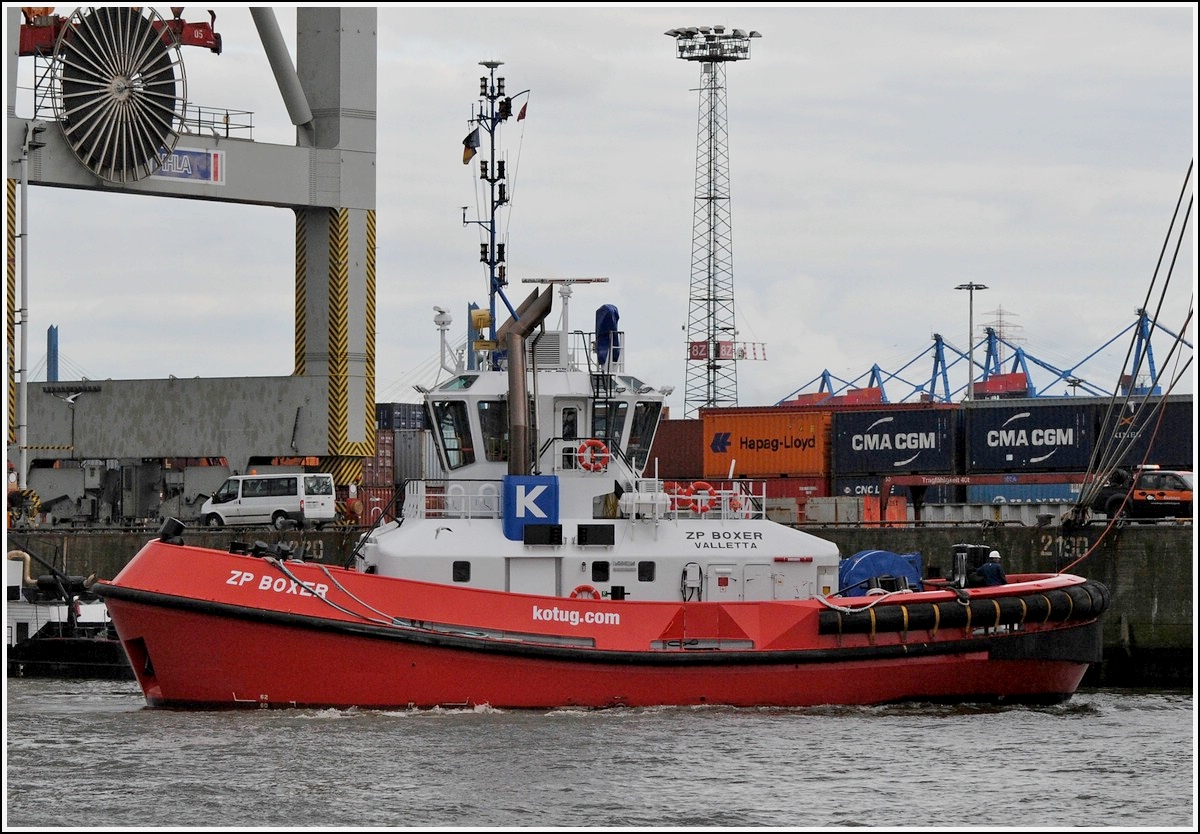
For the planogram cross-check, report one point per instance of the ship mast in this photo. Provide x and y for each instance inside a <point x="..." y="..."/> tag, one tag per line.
<point x="495" y="108"/>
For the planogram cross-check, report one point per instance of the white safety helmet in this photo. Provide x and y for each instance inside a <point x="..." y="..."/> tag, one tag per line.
<point x="995" y="554"/>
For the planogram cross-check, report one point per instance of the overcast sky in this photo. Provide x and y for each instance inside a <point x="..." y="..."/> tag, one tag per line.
<point x="879" y="156"/>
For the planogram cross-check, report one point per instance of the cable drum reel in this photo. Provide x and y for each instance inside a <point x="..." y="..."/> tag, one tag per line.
<point x="122" y="90"/>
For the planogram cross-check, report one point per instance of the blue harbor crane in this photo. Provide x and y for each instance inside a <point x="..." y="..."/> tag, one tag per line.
<point x="994" y="381"/>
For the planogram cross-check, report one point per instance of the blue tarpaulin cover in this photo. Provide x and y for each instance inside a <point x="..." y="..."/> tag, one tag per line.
<point x="873" y="563"/>
<point x="606" y="334"/>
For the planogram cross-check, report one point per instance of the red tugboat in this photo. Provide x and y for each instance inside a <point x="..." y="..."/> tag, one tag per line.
<point x="548" y="566"/>
<point x="546" y="569"/>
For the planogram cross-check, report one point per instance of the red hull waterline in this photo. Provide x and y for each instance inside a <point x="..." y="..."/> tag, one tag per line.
<point x="206" y="629"/>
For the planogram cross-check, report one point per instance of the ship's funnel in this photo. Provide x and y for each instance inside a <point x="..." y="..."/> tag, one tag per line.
<point x="530" y="314"/>
<point x="511" y="336"/>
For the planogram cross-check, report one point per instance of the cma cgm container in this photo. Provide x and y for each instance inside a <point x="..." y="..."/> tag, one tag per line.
<point x="677" y="451"/>
<point x="896" y="439"/>
<point x="1166" y="440"/>
<point x="765" y="442"/>
<point x="1040" y="434"/>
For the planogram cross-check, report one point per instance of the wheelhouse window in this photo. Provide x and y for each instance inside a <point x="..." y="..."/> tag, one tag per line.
<point x="608" y="422"/>
<point x="641" y="432"/>
<point x="493" y="420"/>
<point x="453" y="433"/>
<point x="459" y="383"/>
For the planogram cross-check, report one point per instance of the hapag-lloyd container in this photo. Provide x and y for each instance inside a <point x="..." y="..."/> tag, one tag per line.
<point x="765" y="442"/>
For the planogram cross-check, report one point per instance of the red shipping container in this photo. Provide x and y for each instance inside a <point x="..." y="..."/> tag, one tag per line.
<point x="801" y="488"/>
<point x="787" y="497"/>
<point x="377" y="475"/>
<point x="1005" y="385"/>
<point x="677" y="451"/>
<point x="376" y="502"/>
<point x="854" y="396"/>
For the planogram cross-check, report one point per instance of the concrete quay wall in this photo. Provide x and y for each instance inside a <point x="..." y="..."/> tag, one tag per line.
<point x="1149" y="569"/>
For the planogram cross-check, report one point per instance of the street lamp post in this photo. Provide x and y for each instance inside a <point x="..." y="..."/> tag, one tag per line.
<point x="970" y="288"/>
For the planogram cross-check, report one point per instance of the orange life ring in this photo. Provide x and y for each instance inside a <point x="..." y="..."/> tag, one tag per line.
<point x="585" y="589"/>
<point x="593" y="455"/>
<point x="702" y="505"/>
<point x="682" y="500"/>
<point x="674" y="492"/>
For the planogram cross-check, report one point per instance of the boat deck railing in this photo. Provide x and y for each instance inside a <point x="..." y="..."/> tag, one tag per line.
<point x="735" y="499"/>
<point x="649" y="499"/>
<point x="559" y="350"/>
<point x="581" y="354"/>
<point x="452" y="499"/>
<point x="581" y="457"/>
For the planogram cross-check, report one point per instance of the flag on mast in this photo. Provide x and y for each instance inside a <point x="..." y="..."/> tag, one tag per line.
<point x="521" y="115"/>
<point x="469" y="145"/>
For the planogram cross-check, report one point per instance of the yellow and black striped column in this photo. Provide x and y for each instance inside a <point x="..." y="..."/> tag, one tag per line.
<point x="335" y="329"/>
<point x="11" y="308"/>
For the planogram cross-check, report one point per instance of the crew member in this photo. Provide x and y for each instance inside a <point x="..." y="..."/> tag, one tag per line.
<point x="990" y="572"/>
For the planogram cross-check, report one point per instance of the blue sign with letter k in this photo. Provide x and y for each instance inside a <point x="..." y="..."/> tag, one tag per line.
<point x="529" y="499"/>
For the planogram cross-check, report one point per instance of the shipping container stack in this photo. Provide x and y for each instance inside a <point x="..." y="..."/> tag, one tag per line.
<point x="815" y="449"/>
<point x="380" y="470"/>
<point x="406" y="427"/>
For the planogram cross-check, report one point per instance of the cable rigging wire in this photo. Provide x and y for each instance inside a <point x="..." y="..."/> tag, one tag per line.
<point x="1136" y="405"/>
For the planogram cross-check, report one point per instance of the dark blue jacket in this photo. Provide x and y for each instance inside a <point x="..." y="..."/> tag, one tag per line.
<point x="991" y="573"/>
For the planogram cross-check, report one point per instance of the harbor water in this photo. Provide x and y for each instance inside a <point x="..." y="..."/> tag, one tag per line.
<point x="91" y="754"/>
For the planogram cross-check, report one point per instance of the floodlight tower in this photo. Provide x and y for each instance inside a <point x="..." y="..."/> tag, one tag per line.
<point x="711" y="369"/>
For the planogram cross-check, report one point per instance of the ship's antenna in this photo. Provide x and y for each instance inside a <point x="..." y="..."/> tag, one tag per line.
<point x="495" y="108"/>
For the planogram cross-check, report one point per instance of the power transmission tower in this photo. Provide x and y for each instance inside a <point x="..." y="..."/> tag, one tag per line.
<point x="711" y="369"/>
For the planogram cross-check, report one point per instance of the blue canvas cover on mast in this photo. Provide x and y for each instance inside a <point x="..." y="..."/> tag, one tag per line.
<point x="608" y="344"/>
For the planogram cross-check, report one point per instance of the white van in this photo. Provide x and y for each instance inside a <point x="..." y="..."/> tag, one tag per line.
<point x="303" y="497"/>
